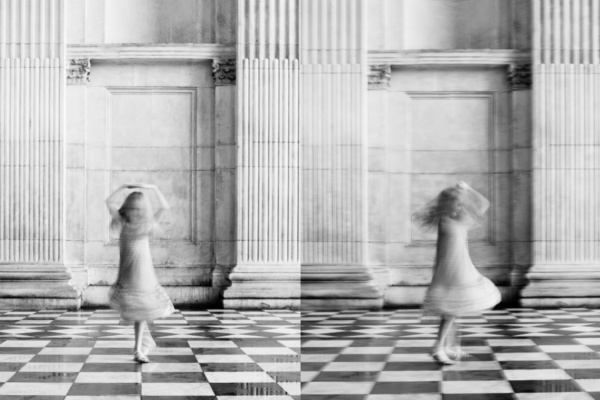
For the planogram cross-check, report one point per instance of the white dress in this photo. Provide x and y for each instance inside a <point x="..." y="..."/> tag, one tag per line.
<point x="457" y="287"/>
<point x="136" y="294"/>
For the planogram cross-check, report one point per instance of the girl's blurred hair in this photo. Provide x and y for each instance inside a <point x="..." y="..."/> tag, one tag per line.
<point x="133" y="200"/>
<point x="455" y="202"/>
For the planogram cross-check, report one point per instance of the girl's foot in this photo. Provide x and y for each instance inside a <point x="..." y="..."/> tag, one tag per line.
<point x="140" y="357"/>
<point x="442" y="358"/>
<point x="458" y="354"/>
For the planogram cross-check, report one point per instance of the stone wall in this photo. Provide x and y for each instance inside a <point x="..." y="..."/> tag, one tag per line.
<point x="152" y="110"/>
<point x="326" y="199"/>
<point x="449" y="100"/>
<point x="449" y="24"/>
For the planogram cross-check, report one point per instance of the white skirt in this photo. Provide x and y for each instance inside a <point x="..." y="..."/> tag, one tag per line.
<point x="458" y="300"/>
<point x="138" y="305"/>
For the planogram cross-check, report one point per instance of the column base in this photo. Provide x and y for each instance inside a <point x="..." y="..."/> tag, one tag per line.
<point x="36" y="287"/>
<point x="575" y="285"/>
<point x="335" y="287"/>
<point x="263" y="287"/>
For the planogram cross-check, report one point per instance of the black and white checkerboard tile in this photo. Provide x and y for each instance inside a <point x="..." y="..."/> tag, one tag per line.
<point x="98" y="324"/>
<point x="518" y="354"/>
<point x="215" y="354"/>
<point x="408" y="323"/>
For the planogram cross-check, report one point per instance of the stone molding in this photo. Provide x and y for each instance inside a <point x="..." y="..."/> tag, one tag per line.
<point x="519" y="76"/>
<point x="224" y="71"/>
<point x="379" y="77"/>
<point x="452" y="57"/>
<point x="78" y="71"/>
<point x="151" y="52"/>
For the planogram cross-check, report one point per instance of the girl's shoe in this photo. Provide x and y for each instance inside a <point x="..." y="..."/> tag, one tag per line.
<point x="458" y="354"/>
<point x="140" y="357"/>
<point x="442" y="358"/>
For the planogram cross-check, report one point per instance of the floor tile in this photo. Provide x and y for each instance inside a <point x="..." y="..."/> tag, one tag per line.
<point x="472" y="387"/>
<point x="536" y="374"/>
<point x="545" y="386"/>
<point x="516" y="354"/>
<point x="177" y="389"/>
<point x="88" y="355"/>
<point x="405" y="387"/>
<point x="35" y="388"/>
<point x="340" y="388"/>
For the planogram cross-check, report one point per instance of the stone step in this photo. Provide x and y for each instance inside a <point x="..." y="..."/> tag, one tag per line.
<point x="256" y="286"/>
<point x="31" y="303"/>
<point x="193" y="296"/>
<point x="404" y="296"/>
<point x="34" y="276"/>
<point x="54" y="292"/>
<point x="340" y="304"/>
<point x="339" y="287"/>
<point x="37" y="286"/>
<point x="200" y="275"/>
<point x="558" y="302"/>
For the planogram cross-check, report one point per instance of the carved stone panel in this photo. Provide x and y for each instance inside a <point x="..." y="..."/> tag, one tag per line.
<point x="224" y="71"/>
<point x="78" y="71"/>
<point x="379" y="77"/>
<point x="519" y="76"/>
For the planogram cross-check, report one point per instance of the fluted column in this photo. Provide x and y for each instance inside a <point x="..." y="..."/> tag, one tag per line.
<point x="334" y="189"/>
<point x="566" y="88"/>
<point x="268" y="247"/>
<point x="32" y="159"/>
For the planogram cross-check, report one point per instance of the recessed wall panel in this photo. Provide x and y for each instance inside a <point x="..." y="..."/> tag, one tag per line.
<point x="450" y="135"/>
<point x="151" y="141"/>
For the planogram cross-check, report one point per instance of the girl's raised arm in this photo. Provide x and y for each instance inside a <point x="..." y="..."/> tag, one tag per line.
<point x="111" y="201"/>
<point x="164" y="205"/>
<point x="474" y="199"/>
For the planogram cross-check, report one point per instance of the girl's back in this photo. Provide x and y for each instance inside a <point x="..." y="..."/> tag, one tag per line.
<point x="453" y="266"/>
<point x="135" y="262"/>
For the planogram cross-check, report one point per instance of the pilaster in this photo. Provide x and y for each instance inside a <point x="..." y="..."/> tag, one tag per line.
<point x="566" y="91"/>
<point x="267" y="271"/>
<point x="520" y="81"/>
<point x="334" y="66"/>
<point x="32" y="154"/>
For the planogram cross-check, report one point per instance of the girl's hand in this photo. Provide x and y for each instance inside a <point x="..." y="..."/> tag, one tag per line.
<point x="139" y="186"/>
<point x="146" y="186"/>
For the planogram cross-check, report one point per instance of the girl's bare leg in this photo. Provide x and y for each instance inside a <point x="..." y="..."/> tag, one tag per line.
<point x="452" y="343"/>
<point x="446" y="325"/>
<point x="139" y="334"/>
<point x="453" y="348"/>
<point x="138" y="355"/>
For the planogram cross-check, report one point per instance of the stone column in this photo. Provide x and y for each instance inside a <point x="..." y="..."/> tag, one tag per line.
<point x="78" y="77"/>
<point x="224" y="78"/>
<point x="32" y="157"/>
<point x="334" y="185"/>
<point x="566" y="90"/>
<point x="520" y="79"/>
<point x="267" y="272"/>
<point x="379" y="79"/>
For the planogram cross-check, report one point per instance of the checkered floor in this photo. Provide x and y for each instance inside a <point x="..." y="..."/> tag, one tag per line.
<point x="521" y="354"/>
<point x="214" y="354"/>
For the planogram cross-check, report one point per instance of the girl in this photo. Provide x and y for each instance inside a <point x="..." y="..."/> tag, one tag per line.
<point x="136" y="293"/>
<point x="457" y="287"/>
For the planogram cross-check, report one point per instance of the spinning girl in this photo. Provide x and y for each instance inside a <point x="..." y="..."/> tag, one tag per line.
<point x="457" y="287"/>
<point x="136" y="294"/>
